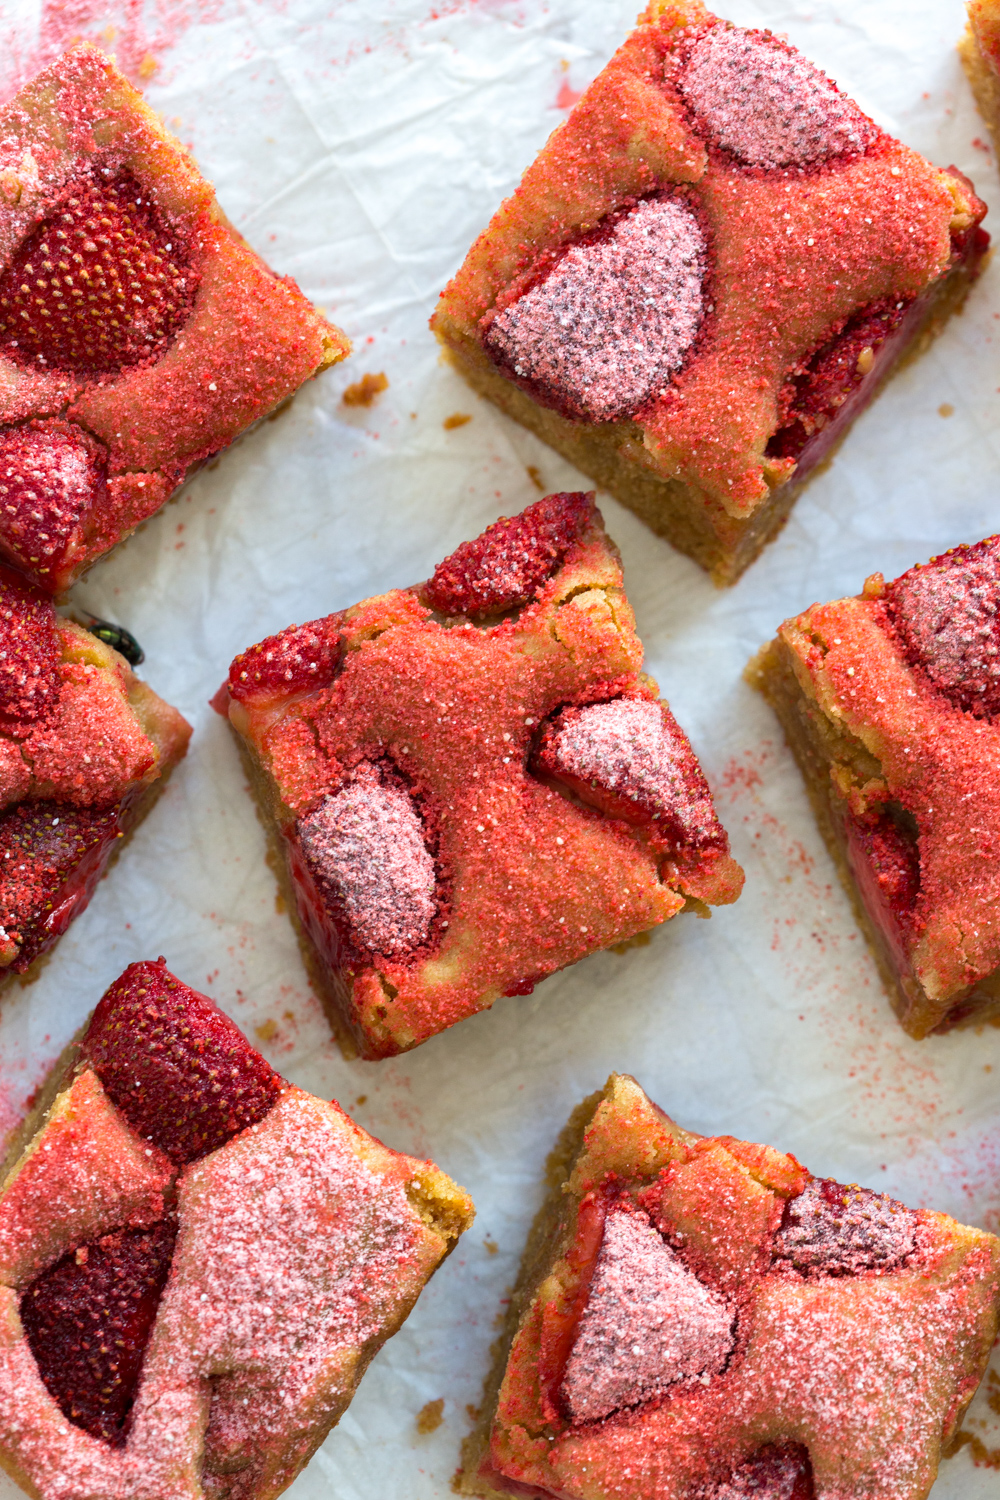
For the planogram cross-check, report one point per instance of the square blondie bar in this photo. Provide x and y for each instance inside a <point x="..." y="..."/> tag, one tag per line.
<point x="470" y="783"/>
<point x="700" y="1318"/>
<point x="139" y="333"/>
<point x="705" y="276"/>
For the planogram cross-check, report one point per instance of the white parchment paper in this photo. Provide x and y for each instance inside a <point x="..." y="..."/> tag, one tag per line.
<point x="360" y="145"/>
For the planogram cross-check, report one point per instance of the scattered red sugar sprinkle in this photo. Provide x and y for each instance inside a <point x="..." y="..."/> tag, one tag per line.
<point x="632" y="758"/>
<point x="507" y="565"/>
<point x="300" y="659"/>
<point x="183" y="1075"/>
<point x="51" y="473"/>
<point x="88" y="1319"/>
<point x="775" y="1473"/>
<point x="102" y="283"/>
<point x="604" y="329"/>
<point x="834" y="1230"/>
<point x="29" y="651"/>
<point x="945" y="613"/>
<point x="50" y="855"/>
<point x="758" y="98"/>
<point x="648" y="1322"/>
<point x="366" y="848"/>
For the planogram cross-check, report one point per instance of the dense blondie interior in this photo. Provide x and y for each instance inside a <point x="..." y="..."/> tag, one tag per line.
<point x="472" y="783"/>
<point x="980" y="53"/>
<point x="197" y="1260"/>
<point x="701" y="281"/>
<point x="702" y="1319"/>
<point x="139" y="333"/>
<point x="889" y="705"/>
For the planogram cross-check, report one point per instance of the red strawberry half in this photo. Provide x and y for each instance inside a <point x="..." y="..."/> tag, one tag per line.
<point x="102" y="283"/>
<point x="51" y="474"/>
<point x="180" y="1072"/>
<point x="88" y="1319"/>
<point x="29" y="651"/>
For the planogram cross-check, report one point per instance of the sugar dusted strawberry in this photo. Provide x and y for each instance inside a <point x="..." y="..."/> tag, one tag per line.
<point x="51" y="474"/>
<point x="183" y="1075"/>
<point x="777" y="1472"/>
<point x="945" y="614"/>
<point x="103" y="283"/>
<point x="88" y="1319"/>
<point x="833" y="373"/>
<point x="29" y="651"/>
<point x="630" y="758"/>
<point x="51" y="857"/>
<point x="833" y="1230"/>
<point x="300" y="659"/>
<point x="508" y="564"/>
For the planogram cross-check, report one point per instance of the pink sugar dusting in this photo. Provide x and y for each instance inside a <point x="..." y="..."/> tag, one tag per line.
<point x="603" y="331"/>
<point x="648" y="1323"/>
<point x="946" y="614"/>
<point x="759" y="99"/>
<point x="835" y="1230"/>
<point x="365" y="846"/>
<point x="630" y="749"/>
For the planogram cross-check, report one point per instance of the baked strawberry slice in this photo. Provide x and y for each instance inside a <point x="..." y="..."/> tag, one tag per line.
<point x="103" y="282"/>
<point x="88" y="1318"/>
<point x="183" y="1075"/>
<point x="507" y="565"/>
<point x="29" y="654"/>
<point x="833" y="1230"/>
<point x="52" y="474"/>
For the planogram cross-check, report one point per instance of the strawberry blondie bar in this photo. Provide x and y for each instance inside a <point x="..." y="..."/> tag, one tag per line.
<point x="85" y="748"/>
<point x="890" y="702"/>
<point x="197" y="1260"/>
<point x="471" y="783"/>
<point x="699" y="1318"/>
<point x="139" y="334"/>
<point x="705" y="276"/>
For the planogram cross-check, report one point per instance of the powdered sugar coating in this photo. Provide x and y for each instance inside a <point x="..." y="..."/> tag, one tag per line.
<point x="630" y="748"/>
<point x="835" y="1230"/>
<point x="605" y="328"/>
<point x="946" y="614"/>
<point x="758" y="98"/>
<point x="648" y="1323"/>
<point x="365" y="846"/>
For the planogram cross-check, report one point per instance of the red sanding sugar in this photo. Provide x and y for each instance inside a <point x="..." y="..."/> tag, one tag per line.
<point x="758" y="98"/>
<point x="183" y="1075"/>
<point x="946" y="615"/>
<point x="366" y="849"/>
<point x="507" y="565"/>
<point x="102" y="283"/>
<point x="775" y="1473"/>
<point x="29" y="651"/>
<point x="602" y="332"/>
<point x="88" y="1318"/>
<point x="835" y="1230"/>
<point x="50" y="474"/>
<point x="648" y="1322"/>
<point x="629" y="749"/>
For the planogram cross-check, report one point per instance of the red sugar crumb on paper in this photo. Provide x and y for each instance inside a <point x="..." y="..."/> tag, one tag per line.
<point x="50" y="474"/>
<point x="648" y="1323"/>
<point x="834" y="1230"/>
<point x="945" y="613"/>
<point x="183" y="1075"/>
<point x="507" y="565"/>
<point x="102" y="283"/>
<point x="758" y="98"/>
<point x="603" y="330"/>
<point x="629" y="749"/>
<point x="29" y="652"/>
<point x="366" y="848"/>
<point x="775" y="1473"/>
<point x="88" y="1319"/>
